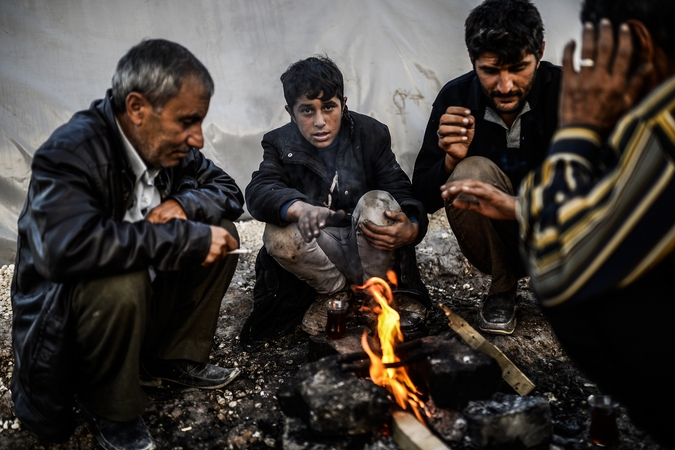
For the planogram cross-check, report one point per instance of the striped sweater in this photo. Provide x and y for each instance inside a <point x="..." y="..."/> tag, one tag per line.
<point x="596" y="216"/>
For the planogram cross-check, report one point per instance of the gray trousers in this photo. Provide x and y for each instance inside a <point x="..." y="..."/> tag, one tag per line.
<point x="339" y="256"/>
<point x="121" y="319"/>
<point x="490" y="245"/>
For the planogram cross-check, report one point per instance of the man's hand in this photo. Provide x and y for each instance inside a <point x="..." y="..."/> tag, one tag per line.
<point x="604" y="88"/>
<point x="455" y="133"/>
<point x="311" y="219"/>
<point x="221" y="243"/>
<point x="480" y="197"/>
<point x="165" y="211"/>
<point x="390" y="237"/>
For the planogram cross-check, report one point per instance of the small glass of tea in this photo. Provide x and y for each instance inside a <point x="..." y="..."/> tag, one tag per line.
<point x="603" y="430"/>
<point x="336" y="325"/>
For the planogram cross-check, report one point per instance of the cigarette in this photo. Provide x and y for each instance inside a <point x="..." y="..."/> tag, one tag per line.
<point x="240" y="251"/>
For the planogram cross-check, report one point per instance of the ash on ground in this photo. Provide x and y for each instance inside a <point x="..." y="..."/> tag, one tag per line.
<point x="246" y="414"/>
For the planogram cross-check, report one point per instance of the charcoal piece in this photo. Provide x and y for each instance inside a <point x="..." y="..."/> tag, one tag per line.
<point x="297" y="436"/>
<point x="332" y="402"/>
<point x="456" y="373"/>
<point x="508" y="419"/>
<point x="448" y="424"/>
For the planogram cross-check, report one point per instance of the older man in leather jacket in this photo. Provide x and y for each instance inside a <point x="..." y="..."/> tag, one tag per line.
<point x="122" y="255"/>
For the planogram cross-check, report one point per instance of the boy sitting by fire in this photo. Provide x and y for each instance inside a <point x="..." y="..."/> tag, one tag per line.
<point x="338" y="207"/>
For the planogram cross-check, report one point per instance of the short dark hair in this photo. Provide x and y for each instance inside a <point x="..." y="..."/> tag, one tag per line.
<point x="156" y="68"/>
<point x="312" y="77"/>
<point x="656" y="15"/>
<point x="510" y="29"/>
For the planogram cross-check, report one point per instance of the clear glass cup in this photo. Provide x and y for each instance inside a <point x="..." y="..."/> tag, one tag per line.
<point x="603" y="431"/>
<point x="336" y="324"/>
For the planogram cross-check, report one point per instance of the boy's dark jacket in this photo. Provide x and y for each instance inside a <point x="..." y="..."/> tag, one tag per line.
<point x="292" y="169"/>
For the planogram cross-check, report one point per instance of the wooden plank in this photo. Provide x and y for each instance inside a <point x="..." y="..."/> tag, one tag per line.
<point x="410" y="434"/>
<point x="511" y="374"/>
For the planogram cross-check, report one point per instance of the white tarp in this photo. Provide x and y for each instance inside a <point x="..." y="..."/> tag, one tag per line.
<point x="56" y="56"/>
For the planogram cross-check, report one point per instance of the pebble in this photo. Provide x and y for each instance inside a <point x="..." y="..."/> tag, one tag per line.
<point x="232" y="404"/>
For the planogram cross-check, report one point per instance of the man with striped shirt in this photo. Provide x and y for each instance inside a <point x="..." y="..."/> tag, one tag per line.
<point x="598" y="218"/>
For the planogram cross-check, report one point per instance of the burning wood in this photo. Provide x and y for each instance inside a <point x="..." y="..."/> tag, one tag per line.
<point x="387" y="370"/>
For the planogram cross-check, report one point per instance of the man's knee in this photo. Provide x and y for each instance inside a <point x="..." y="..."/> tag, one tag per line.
<point x="372" y="205"/>
<point x="120" y="295"/>
<point x="284" y="243"/>
<point x="482" y="169"/>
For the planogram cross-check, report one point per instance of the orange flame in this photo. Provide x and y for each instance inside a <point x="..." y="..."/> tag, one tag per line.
<point x="395" y="380"/>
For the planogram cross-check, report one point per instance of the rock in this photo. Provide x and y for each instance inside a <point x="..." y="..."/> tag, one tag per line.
<point x="331" y="402"/>
<point x="448" y="424"/>
<point x="6" y="410"/>
<point x="509" y="419"/>
<point x="456" y="373"/>
<point x="297" y="436"/>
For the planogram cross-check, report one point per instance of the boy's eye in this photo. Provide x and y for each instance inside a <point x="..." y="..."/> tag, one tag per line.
<point x="305" y="111"/>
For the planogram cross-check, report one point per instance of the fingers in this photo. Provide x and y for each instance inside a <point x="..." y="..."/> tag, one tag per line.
<point x="587" y="48"/>
<point x="605" y="46"/>
<point x="624" y="52"/>
<point x="230" y="242"/>
<point x="456" y="121"/>
<point x="377" y="236"/>
<point x="336" y="217"/>
<point x="568" y="60"/>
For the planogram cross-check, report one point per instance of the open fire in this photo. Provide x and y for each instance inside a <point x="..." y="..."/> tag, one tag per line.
<point x="394" y="379"/>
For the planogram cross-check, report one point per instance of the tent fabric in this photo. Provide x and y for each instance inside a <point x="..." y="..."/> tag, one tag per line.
<point x="56" y="56"/>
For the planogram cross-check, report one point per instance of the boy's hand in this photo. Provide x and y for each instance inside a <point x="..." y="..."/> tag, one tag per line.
<point x="311" y="219"/>
<point x="390" y="237"/>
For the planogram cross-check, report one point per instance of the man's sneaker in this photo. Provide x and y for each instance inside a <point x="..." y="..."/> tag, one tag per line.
<point x="113" y="435"/>
<point x="189" y="373"/>
<point x="315" y="318"/>
<point x="497" y="314"/>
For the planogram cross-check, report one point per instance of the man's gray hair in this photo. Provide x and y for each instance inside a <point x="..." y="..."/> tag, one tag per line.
<point x="156" y="68"/>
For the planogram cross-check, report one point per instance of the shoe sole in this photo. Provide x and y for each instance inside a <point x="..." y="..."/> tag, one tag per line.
<point x="485" y="326"/>
<point x="235" y="373"/>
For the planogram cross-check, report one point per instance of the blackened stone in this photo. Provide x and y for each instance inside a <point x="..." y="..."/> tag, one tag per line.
<point x="297" y="436"/>
<point x="332" y="402"/>
<point x="448" y="424"/>
<point x="509" y="419"/>
<point x="455" y="373"/>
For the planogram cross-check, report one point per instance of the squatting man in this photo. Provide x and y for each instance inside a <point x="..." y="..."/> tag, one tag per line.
<point x="337" y="206"/>
<point x="488" y="128"/>
<point x="122" y="257"/>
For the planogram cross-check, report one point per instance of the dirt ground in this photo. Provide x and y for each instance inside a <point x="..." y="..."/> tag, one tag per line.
<point x="246" y="415"/>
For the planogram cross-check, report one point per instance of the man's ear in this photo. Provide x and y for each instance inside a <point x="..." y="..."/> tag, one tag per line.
<point x="137" y="107"/>
<point x="540" y="55"/>
<point x="344" y="104"/>
<point x="290" y="112"/>
<point x="642" y="40"/>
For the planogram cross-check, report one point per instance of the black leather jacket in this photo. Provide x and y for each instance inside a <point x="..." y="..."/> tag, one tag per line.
<point x="292" y="169"/>
<point x="71" y="229"/>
